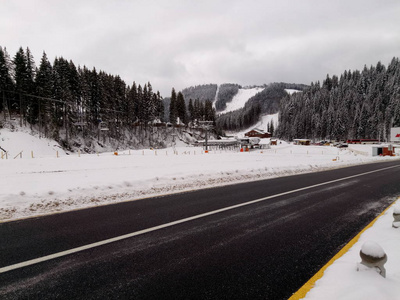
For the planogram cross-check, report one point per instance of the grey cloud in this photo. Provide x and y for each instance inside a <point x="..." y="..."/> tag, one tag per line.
<point x="179" y="43"/>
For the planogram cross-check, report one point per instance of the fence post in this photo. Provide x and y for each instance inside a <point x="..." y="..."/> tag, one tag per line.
<point x="19" y="154"/>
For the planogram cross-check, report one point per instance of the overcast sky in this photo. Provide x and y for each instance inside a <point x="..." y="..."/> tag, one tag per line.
<point x="178" y="44"/>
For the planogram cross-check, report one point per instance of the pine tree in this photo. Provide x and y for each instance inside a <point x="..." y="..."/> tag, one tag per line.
<point x="271" y="128"/>
<point x="31" y="72"/>
<point x="20" y="78"/>
<point x="145" y="108"/>
<point x="181" y="108"/>
<point x="31" y="104"/>
<point x="131" y="103"/>
<point x="172" y="107"/>
<point x="139" y="104"/>
<point x="160" y="106"/>
<point x="44" y="88"/>
<point x="191" y="110"/>
<point x="6" y="82"/>
<point x="209" y="112"/>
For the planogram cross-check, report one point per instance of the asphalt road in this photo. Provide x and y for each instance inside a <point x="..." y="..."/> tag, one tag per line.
<point x="264" y="250"/>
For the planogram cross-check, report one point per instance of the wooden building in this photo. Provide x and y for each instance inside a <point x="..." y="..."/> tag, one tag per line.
<point x="303" y="142"/>
<point x="258" y="133"/>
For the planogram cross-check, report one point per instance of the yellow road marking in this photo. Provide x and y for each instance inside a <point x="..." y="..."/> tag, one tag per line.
<point x="302" y="292"/>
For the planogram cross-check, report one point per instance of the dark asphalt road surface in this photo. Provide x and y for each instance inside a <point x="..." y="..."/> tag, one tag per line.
<point x="265" y="250"/>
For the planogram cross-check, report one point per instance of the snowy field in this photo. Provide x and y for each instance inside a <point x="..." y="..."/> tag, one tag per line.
<point x="53" y="181"/>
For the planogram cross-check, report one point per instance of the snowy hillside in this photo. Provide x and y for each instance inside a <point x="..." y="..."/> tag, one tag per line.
<point x="22" y="142"/>
<point x="240" y="99"/>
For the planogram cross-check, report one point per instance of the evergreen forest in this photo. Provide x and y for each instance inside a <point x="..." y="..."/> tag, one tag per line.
<point x="63" y="101"/>
<point x="358" y="104"/>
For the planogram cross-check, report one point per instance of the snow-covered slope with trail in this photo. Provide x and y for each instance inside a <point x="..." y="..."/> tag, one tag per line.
<point x="241" y="98"/>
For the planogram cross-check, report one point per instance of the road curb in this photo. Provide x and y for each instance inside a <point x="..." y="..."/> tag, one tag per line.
<point x="302" y="292"/>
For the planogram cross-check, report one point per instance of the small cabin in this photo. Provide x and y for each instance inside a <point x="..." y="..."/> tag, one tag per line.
<point x="302" y="142"/>
<point x="386" y="150"/>
<point x="258" y="133"/>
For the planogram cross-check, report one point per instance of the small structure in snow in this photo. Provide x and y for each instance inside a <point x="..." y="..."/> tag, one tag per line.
<point x="385" y="150"/>
<point x="258" y="133"/>
<point x="303" y="142"/>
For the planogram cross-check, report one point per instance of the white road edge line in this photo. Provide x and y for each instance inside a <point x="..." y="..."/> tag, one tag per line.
<point x="136" y="233"/>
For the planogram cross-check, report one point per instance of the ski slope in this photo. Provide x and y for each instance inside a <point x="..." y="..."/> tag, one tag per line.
<point x="240" y="99"/>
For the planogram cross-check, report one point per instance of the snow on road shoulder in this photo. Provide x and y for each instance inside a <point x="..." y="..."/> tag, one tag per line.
<point x="341" y="280"/>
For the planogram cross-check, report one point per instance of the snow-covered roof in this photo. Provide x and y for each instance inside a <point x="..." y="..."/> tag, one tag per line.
<point x="156" y="121"/>
<point x="258" y="130"/>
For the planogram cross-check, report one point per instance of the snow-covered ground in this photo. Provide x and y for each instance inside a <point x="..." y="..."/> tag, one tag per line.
<point x="55" y="181"/>
<point x="240" y="99"/>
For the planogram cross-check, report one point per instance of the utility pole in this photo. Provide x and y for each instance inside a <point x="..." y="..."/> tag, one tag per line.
<point x="206" y="125"/>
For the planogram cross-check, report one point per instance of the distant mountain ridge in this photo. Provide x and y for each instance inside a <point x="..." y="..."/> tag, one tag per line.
<point x="264" y="99"/>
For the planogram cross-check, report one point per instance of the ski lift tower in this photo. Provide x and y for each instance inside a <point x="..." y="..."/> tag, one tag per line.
<point x="206" y="125"/>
